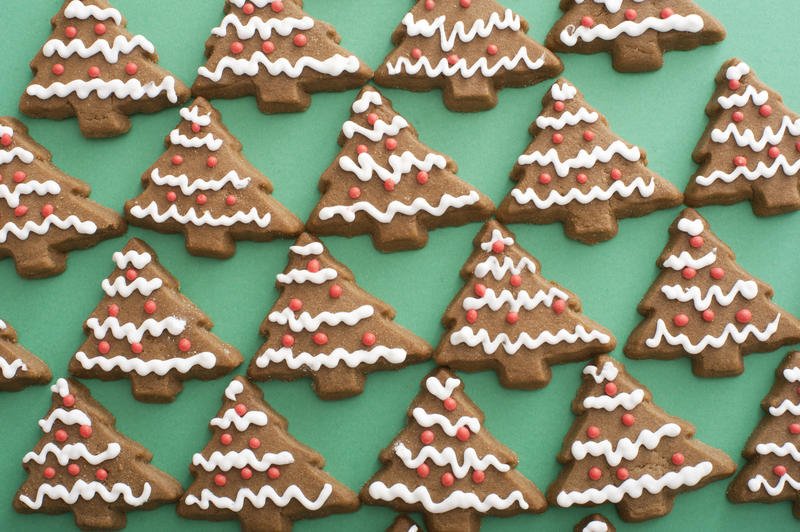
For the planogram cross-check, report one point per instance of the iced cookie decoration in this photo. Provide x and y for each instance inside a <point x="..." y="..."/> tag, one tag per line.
<point x="404" y="524"/>
<point x="447" y="466"/>
<point x="625" y="450"/>
<point x="203" y="187"/>
<point x="772" y="472"/>
<point x="468" y="48"/>
<point x="387" y="183"/>
<point x="93" y="68"/>
<point x="272" y="49"/>
<point x="595" y="523"/>
<point x="635" y="32"/>
<point x="510" y="319"/>
<point x="44" y="213"/>
<point x="83" y="465"/>
<point x="750" y="149"/>
<point x="326" y="327"/>
<point x="255" y="472"/>
<point x="704" y="306"/>
<point x="18" y="366"/>
<point x="578" y="172"/>
<point x="145" y="330"/>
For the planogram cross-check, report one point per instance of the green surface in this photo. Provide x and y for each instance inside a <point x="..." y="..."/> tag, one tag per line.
<point x="660" y="111"/>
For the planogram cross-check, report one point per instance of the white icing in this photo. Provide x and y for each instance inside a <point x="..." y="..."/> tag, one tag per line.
<point x="781" y="163"/>
<point x="131" y="332"/>
<point x="595" y="193"/>
<point x="608" y="372"/>
<point x="611" y="5"/>
<point x="498" y="271"/>
<point x="685" y="259"/>
<point x="448" y="457"/>
<point x="234" y="389"/>
<point x="146" y="367"/>
<point x="595" y="526"/>
<point x="428" y="420"/>
<point x="399" y="164"/>
<point x="352" y="359"/>
<point x="9" y="370"/>
<point x="447" y="201"/>
<point x="28" y="187"/>
<point x="369" y="97"/>
<point x="5" y="130"/>
<point x="755" y="483"/>
<point x="306" y="322"/>
<point x="72" y="451"/>
<point x="785" y="406"/>
<point x="568" y="119"/>
<point x="737" y="335"/>
<point x="740" y="100"/>
<point x="379" y="129"/>
<point x="87" y="491"/>
<point x="414" y="528"/>
<point x="24" y="155"/>
<point x="481" y="28"/>
<point x="138" y="260"/>
<point x="563" y="92"/>
<point x="332" y="66"/>
<point x="747" y="137"/>
<point x="314" y="248"/>
<point x="61" y="387"/>
<point x="79" y="10"/>
<point x="737" y="71"/>
<point x="690" y="23"/>
<point x="189" y="188"/>
<point x="140" y="284"/>
<point x="303" y="276"/>
<point x="497" y="236"/>
<point x="584" y="159"/>
<point x="628" y="401"/>
<point x="264" y="28"/>
<point x="692" y="227"/>
<point x="515" y="302"/>
<point x="251" y="417"/>
<point x="461" y="67"/>
<point x="131" y="88"/>
<point x="259" y="500"/>
<point x="67" y="417"/>
<point x="787" y="449"/>
<point x="686" y="476"/>
<point x="257" y="3"/>
<point x="207" y="218"/>
<point x="241" y="459"/>
<point x="469" y="337"/>
<point x="792" y="374"/>
<point x="70" y="222"/>
<point x="455" y="500"/>
<point x="209" y="141"/>
<point x="439" y="390"/>
<point x="748" y="290"/>
<point x="626" y="449"/>
<point x="193" y="115"/>
<point x="111" y="52"/>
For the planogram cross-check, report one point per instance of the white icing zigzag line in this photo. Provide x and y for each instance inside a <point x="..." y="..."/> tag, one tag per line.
<point x="400" y="165"/>
<point x="140" y="284"/>
<point x="302" y="276"/>
<point x="690" y="23"/>
<point x="444" y="68"/>
<point x="755" y="483"/>
<point x="381" y="128"/>
<point x="209" y="141"/>
<point x="515" y="302"/>
<point x="5" y="130"/>
<point x="575" y="194"/>
<point x="498" y="271"/>
<point x="740" y="100"/>
<point x="583" y="159"/>
<point x="79" y="10"/>
<point x="448" y="457"/>
<point x="563" y="92"/>
<point x="146" y="367"/>
<point x="480" y="27"/>
<point x="628" y="401"/>
<point x="8" y="371"/>
<point x="207" y="218"/>
<point x="67" y="417"/>
<point x="87" y="490"/>
<point x="785" y="406"/>
<point x="792" y="374"/>
<point x="259" y="500"/>
<point x="234" y="389"/>
<point x="264" y="28"/>
<point x="685" y="259"/>
<point x="428" y="420"/>
<point x="17" y="152"/>
<point x="748" y="138"/>
<point x="111" y="53"/>
<point x="393" y="355"/>
<point x="626" y="449"/>
<point x="761" y="170"/>
<point x="611" y="5"/>
<point x="71" y="222"/>
<point x="369" y="97"/>
<point x="737" y="71"/>
<point x="748" y="290"/>
<point x="595" y="526"/>
<point x="61" y="387"/>
<point x="251" y="417"/>
<point x="456" y="500"/>
<point x="686" y="476"/>
<point x="738" y="336"/>
<point x="467" y="336"/>
<point x="188" y="188"/>
<point x="691" y="227"/>
<point x="131" y="332"/>
<point x="567" y="119"/>
<point x="447" y="201"/>
<point x="307" y="322"/>
<point x="333" y="66"/>
<point x="787" y="449"/>
<point x="139" y="260"/>
<point x="193" y="115"/>
<point x="240" y="459"/>
<point x="131" y="88"/>
<point x="314" y="248"/>
<point x="497" y="236"/>
<point x="26" y="188"/>
<point x="439" y="390"/>
<point x="72" y="451"/>
<point x="608" y="372"/>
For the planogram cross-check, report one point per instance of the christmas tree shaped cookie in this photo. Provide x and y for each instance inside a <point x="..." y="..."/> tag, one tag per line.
<point x="272" y="49"/>
<point x="578" y="172"/>
<point x="595" y="523"/>
<point x="403" y="524"/>
<point x="447" y="466"/>
<point x="387" y="183"/>
<point x="468" y="48"/>
<point x="205" y="188"/>
<point x="704" y="306"/>
<point x="749" y="150"/>
<point x="18" y="366"/>
<point x="145" y="330"/>
<point x="636" y="33"/>
<point x="44" y="212"/>
<point x="93" y="68"/>
<point x="84" y="466"/>
<point x="625" y="450"/>
<point x="253" y="470"/>
<point x="772" y="472"/>
<point x="511" y="319"/>
<point x="326" y="327"/>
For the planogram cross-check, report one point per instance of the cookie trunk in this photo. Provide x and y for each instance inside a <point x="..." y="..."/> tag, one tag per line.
<point x="637" y="54"/>
<point x="340" y="382"/>
<point x="475" y="93"/>
<point x="453" y="521"/>
<point x="646" y="506"/>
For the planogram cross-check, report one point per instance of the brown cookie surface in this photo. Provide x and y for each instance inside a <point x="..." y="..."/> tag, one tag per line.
<point x="274" y="50"/>
<point x="577" y="171"/>
<point x="326" y="327"/>
<point x="203" y="187"/>
<point x="93" y="68"/>
<point x="145" y="330"/>
<point x="635" y="33"/>
<point x="18" y="366"/>
<point x="388" y="184"/>
<point x="468" y="48"/>
<point x="706" y="307"/>
<point x="83" y="465"/>
<point x="595" y="523"/>
<point x="510" y="319"/>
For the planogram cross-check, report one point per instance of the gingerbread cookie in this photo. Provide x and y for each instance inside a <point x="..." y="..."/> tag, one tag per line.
<point x="403" y="524"/>
<point x="272" y="49"/>
<point x="704" y="306"/>
<point x="749" y="149"/>
<point x="254" y="471"/>
<point x="93" y="68"/>
<point x="625" y="450"/>
<point x="205" y="188"/>
<point x="145" y="330"/>
<point x="578" y="172"/>
<point x="83" y="465"/>
<point x="772" y="471"/>
<point x="468" y="48"/>
<point x="18" y="366"/>
<point x="44" y="212"/>
<point x="634" y="32"/>
<point x="447" y="466"/>
<point x="510" y="319"/>
<point x="387" y="183"/>
<point x="595" y="523"/>
<point x="326" y="327"/>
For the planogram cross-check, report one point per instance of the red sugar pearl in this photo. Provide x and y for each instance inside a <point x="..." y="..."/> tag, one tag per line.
<point x="449" y="404"/>
<point x="688" y="272"/>
<point x="422" y="177"/>
<point x="426" y="437"/>
<point x="558" y="138"/>
<point x="738" y="116"/>
<point x="696" y="241"/>
<point x="237" y="47"/>
<point x="230" y="200"/>
<point x="212" y="161"/>
<point x="765" y="110"/>
<point x="452" y="59"/>
<point x="678" y="459"/>
<point x="49" y="472"/>
<point x="335" y="291"/>
<point x="388" y="185"/>
<point x="708" y="315"/>
<point x="196" y="127"/>
<point x="246" y="473"/>
<point x="177" y="159"/>
<point x="472" y="315"/>
<point x="681" y="320"/>
<point x="744" y="316"/>
<point x="19" y="176"/>
<point x="254" y="443"/>
<point x="480" y="289"/>
<point x="220" y="480"/>
<point x="515" y="280"/>
<point x="273" y="473"/>
<point x="277" y="7"/>
<point x="512" y="317"/>
<point x="779" y="470"/>
<point x="581" y="178"/>
<point x="131" y="69"/>
<point x="85" y="431"/>
<point x="478" y="477"/>
<point x="131" y="274"/>
<point x="202" y="199"/>
<point x="448" y="479"/>
<point x="240" y="409"/>
<point x="588" y="135"/>
<point x="320" y="338"/>
<point x="171" y="195"/>
<point x="587" y="22"/>
<point x="465" y="3"/>
<point x="21" y="210"/>
<point x="99" y="28"/>
<point x="313" y="266"/>
<point x="545" y="178"/>
<point x="611" y="389"/>
<point x="267" y="47"/>
<point x="287" y="340"/>
<point x="248" y="8"/>
<point x="559" y="306"/>
<point x="595" y="473"/>
<point x="94" y="71"/>
<point x="184" y="345"/>
<point x="429" y="4"/>
<point x="774" y="152"/>
<point x="416" y="53"/>
<point x="104" y="347"/>
<point x="300" y="40"/>
<point x="361" y="148"/>
<point x="717" y="273"/>
<point x="71" y="32"/>
<point x="354" y="192"/>
<point x="797" y="145"/>
<point x="137" y="347"/>
<point x="101" y="474"/>
<point x="150" y="307"/>
<point x="616" y="173"/>
<point x="734" y="84"/>
<point x="622" y="473"/>
<point x="391" y="143"/>
<point x="113" y="310"/>
<point x="498" y="246"/>
<point x="740" y="160"/>
<point x="559" y="106"/>
<point x="628" y="419"/>
<point x="295" y="304"/>
<point x="423" y="470"/>
<point x="226" y="439"/>
<point x="6" y="139"/>
<point x="47" y="210"/>
<point x="368" y="339"/>
<point x="372" y="118"/>
<point x="593" y="432"/>
<point x="667" y="12"/>
<point x="68" y="400"/>
<point x="73" y="469"/>
<point x="61" y="435"/>
<point x="630" y="14"/>
<point x="492" y="49"/>
<point x="463" y="433"/>
<point x="58" y="69"/>
<point x="794" y="428"/>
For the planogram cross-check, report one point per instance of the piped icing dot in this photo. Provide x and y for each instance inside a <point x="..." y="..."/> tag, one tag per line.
<point x="744" y="316"/>
<point x="717" y="273"/>
<point x="696" y="241"/>
<point x="472" y="315"/>
<point x="515" y="280"/>
<point x="246" y="473"/>
<point x="449" y="404"/>
<point x="131" y="69"/>
<point x="593" y="431"/>
<point x="287" y="340"/>
<point x="368" y="339"/>
<point x="628" y="419"/>
<point x="595" y="473"/>
<point x="267" y="47"/>
<point x="423" y="470"/>
<point x="448" y="479"/>
<point x="611" y="389"/>
<point x="478" y="476"/>
<point x="678" y="459"/>
<point x="492" y="49"/>
<point x="273" y="473"/>
<point x="545" y="178"/>
<point x="463" y="433"/>
<point x="688" y="272"/>
<point x="622" y="473"/>
<point x="426" y="437"/>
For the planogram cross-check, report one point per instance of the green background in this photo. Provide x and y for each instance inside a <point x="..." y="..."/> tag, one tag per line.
<point x="660" y="111"/>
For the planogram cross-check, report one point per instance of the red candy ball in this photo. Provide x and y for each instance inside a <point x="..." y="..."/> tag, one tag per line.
<point x="354" y="192"/>
<point x="71" y="32"/>
<point x="595" y="473"/>
<point x="622" y="473"/>
<point x="196" y="128"/>
<point x="295" y="304"/>
<point x="19" y="176"/>
<point x="740" y="160"/>
<point x="85" y="431"/>
<point x="545" y="178"/>
<point x="220" y="480"/>
<point x="779" y="470"/>
<point x="49" y="472"/>
<point x="58" y="69"/>
<point x="559" y="106"/>
<point x="492" y="49"/>
<point x="734" y="84"/>
<point x="335" y="291"/>
<point x="559" y="306"/>
<point x="593" y="432"/>
<point x="708" y="315"/>
<point x="449" y="404"/>
<point x="628" y="419"/>
<point x="368" y="339"/>
<point x="177" y="159"/>
<point x="99" y="28"/>
<point x="426" y="437"/>
<point x="581" y="178"/>
<point x="667" y="12"/>
<point x="101" y="474"/>
<point x="588" y="135"/>
<point x="587" y="22"/>
<point x="226" y="439"/>
<point x="423" y="470"/>
<point x="388" y="185"/>
<point x="212" y="161"/>
<point x="277" y="7"/>
<point x="372" y="118"/>
<point x="463" y="433"/>
<point x="498" y="246"/>
<point x="465" y="3"/>
<point x="479" y="289"/>
<point x="681" y="320"/>
<point x="515" y="280"/>
<point x="137" y="347"/>
<point x="717" y="273"/>
<point x="73" y="469"/>
<point x="630" y="14"/>
<point x="765" y="110"/>
<point x="171" y="195"/>
<point x="287" y="340"/>
<point x="429" y="4"/>
<point x="422" y="177"/>
<point x="273" y="472"/>
<point x="558" y="138"/>
<point x="738" y="116"/>
<point x="320" y="338"/>
<point x="361" y="148"/>
<point x="616" y="173"/>
<point x="696" y="241"/>
<point x="184" y="345"/>
<point x="104" y="347"/>
<point x="472" y="315"/>
<point x="150" y="307"/>
<point x="254" y="443"/>
<point x="416" y="53"/>
<point x="744" y="316"/>
<point x="688" y="272"/>
<point x="248" y="9"/>
<point x="237" y="47"/>
<point x="131" y="68"/>
<point x="94" y="71"/>
<point x="61" y="435"/>
<point x="240" y="409"/>
<point x="452" y="59"/>
<point x="47" y="210"/>
<point x="794" y="428"/>
<point x="68" y="400"/>
<point x="448" y="479"/>
<point x="391" y="143"/>
<point x="611" y="389"/>
<point x="202" y="199"/>
<point x="313" y="266"/>
<point x="300" y="40"/>
<point x="246" y="473"/>
<point x="6" y="139"/>
<point x="678" y="459"/>
<point x="21" y="210"/>
<point x="774" y="152"/>
<point x="512" y="317"/>
<point x="478" y="476"/>
<point x="131" y="274"/>
<point x="230" y="200"/>
<point x="267" y="47"/>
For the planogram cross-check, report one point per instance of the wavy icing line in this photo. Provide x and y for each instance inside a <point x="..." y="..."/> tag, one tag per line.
<point x="456" y="499"/>
<point x="380" y="129"/>
<point x="314" y="248"/>
<point x="240" y="459"/>
<point x="352" y="359"/>
<point x="595" y="193"/>
<point x="567" y="119"/>
<point x="785" y="406"/>
<point x="61" y="387"/>
<point x="444" y="68"/>
<point x="563" y="92"/>
<point x="428" y="420"/>
<point x="72" y="451"/>
<point x="193" y="115"/>
<point x="258" y="3"/>
<point x="515" y="302"/>
<point x="9" y="370"/>
<point x="131" y="332"/>
<point x="467" y="336"/>
<point x="188" y="188"/>
<point x="685" y="259"/>
<point x="748" y="290"/>
<point x="608" y="372"/>
<point x="595" y="526"/>
<point x="28" y="187"/>
<point x="369" y="97"/>
<point x="110" y="52"/>
<point x="131" y="88"/>
<point x="738" y="336"/>
<point x="761" y="170"/>
<point x="628" y="401"/>
<point x="755" y="483"/>
<point x="251" y="417"/>
<point x="234" y="389"/>
<point x="626" y="449"/>
<point x="787" y="449"/>
<point x="480" y="27"/>
<point x="583" y="159"/>
<point x="792" y="374"/>
<point x="70" y="222"/>
<point x="209" y="141"/>
<point x="87" y="491"/>
<point x="140" y="284"/>
<point x="302" y="276"/>
<point x="146" y="367"/>
<point x="332" y="66"/>
<point x="448" y="457"/>
<point x="306" y="322"/>
<point x="691" y="227"/>
<point x="439" y="390"/>
<point x="67" y="417"/>
<point x="79" y="10"/>
<point x="259" y="500"/>
<point x="7" y="156"/>
<point x="737" y="71"/>
<point x="447" y="201"/>
<point x="740" y="100"/>
<point x="138" y="260"/>
<point x="498" y="271"/>
<point x="611" y="5"/>
<point x="264" y="28"/>
<point x="497" y="236"/>
<point x="746" y="137"/>
<point x="571" y="34"/>
<point x="207" y="218"/>
<point x="399" y="164"/>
